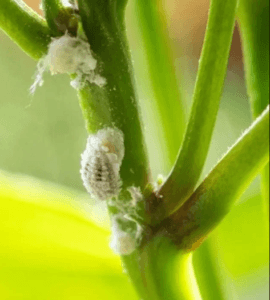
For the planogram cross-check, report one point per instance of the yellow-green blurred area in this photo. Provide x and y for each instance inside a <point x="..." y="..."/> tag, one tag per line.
<point x="56" y="246"/>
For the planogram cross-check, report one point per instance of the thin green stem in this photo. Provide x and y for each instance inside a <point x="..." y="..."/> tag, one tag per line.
<point x="254" y="28"/>
<point x="208" y="89"/>
<point x="60" y="18"/>
<point x="25" y="27"/>
<point x="160" y="68"/>
<point x="51" y="10"/>
<point x="214" y="198"/>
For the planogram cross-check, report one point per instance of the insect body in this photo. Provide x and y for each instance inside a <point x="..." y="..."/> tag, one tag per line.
<point x="101" y="163"/>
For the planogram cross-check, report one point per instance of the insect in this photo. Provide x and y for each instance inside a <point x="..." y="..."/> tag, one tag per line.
<point x="122" y="242"/>
<point x="101" y="162"/>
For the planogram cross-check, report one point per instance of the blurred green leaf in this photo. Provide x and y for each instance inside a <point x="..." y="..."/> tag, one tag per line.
<point x="242" y="239"/>
<point x="50" y="249"/>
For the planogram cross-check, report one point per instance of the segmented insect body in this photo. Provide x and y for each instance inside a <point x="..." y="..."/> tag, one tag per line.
<point x="101" y="161"/>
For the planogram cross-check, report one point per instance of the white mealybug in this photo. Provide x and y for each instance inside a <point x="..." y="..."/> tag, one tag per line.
<point x="101" y="162"/>
<point x="122" y="242"/>
<point x="70" y="55"/>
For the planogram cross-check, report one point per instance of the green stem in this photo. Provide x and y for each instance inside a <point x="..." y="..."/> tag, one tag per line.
<point x="162" y="272"/>
<point x="51" y="10"/>
<point x="161" y="73"/>
<point x="254" y="28"/>
<point x="115" y="104"/>
<point x="214" y="198"/>
<point x="25" y="27"/>
<point x="60" y="18"/>
<point x="208" y="89"/>
<point x="209" y="283"/>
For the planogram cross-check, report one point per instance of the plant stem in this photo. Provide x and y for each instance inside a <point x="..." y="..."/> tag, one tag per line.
<point x="151" y="23"/>
<point x="209" y="283"/>
<point x="208" y="89"/>
<point x="51" y="9"/>
<point x="163" y="273"/>
<point x="254" y="28"/>
<point x="115" y="104"/>
<point x="213" y="199"/>
<point x="60" y="19"/>
<point x="25" y="27"/>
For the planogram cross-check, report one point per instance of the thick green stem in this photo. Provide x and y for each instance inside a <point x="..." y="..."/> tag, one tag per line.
<point x="151" y="24"/>
<point x="254" y="28"/>
<point x="115" y="104"/>
<point x="25" y="27"/>
<point x="162" y="272"/>
<point x="208" y="89"/>
<point x="214" y="198"/>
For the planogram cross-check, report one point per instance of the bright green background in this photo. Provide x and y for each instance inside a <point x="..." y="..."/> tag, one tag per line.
<point x="56" y="252"/>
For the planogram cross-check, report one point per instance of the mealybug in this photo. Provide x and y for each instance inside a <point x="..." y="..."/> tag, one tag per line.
<point x="72" y="55"/>
<point x="122" y="242"/>
<point x="101" y="161"/>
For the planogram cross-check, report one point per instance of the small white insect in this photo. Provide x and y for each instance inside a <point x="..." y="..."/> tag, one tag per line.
<point x="101" y="162"/>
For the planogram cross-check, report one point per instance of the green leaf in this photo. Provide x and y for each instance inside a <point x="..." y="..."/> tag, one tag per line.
<point x="25" y="27"/>
<point x="208" y="89"/>
<point x="244" y="251"/>
<point x="214" y="198"/>
<point x="50" y="249"/>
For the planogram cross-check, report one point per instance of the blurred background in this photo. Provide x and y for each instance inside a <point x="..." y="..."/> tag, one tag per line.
<point x="43" y="136"/>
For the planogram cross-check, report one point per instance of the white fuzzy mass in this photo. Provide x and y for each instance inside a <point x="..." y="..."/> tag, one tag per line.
<point x="122" y="243"/>
<point x="71" y="55"/>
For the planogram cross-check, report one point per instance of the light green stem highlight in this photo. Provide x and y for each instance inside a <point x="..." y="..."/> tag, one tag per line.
<point x="208" y="89"/>
<point x="25" y="27"/>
